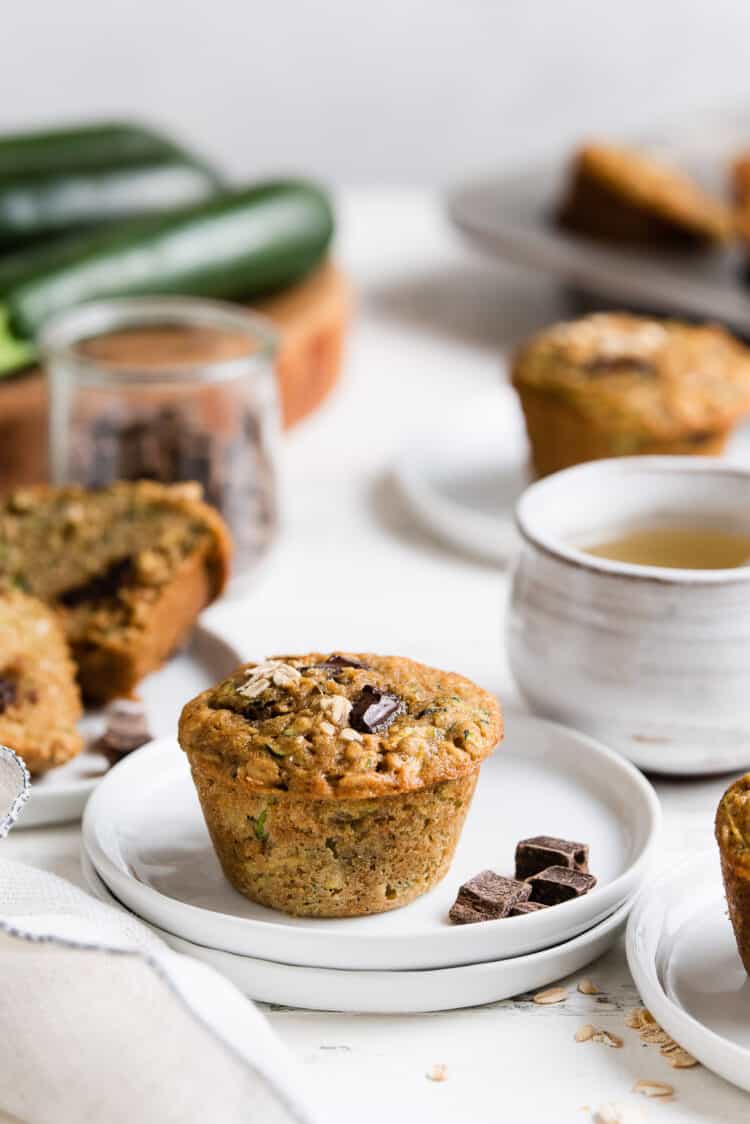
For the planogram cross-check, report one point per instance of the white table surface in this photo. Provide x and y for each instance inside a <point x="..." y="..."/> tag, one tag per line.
<point x="354" y="572"/>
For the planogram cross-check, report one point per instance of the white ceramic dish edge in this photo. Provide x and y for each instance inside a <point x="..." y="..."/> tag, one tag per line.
<point x="390" y="993"/>
<point x="723" y="1057"/>
<point x="448" y="946"/>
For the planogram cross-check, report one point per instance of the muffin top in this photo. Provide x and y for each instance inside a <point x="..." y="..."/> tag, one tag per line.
<point x="733" y="820"/>
<point x="342" y="725"/>
<point x="652" y="185"/>
<point x="660" y="378"/>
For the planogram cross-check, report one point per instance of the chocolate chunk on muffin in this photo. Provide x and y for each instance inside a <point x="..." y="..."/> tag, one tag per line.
<point x="39" y="699"/>
<point x="613" y="384"/>
<point x="337" y="785"/>
<point x="733" y="838"/>
<point x="622" y="195"/>
<point x="129" y="567"/>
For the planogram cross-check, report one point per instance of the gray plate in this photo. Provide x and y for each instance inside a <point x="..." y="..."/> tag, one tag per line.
<point x="510" y="216"/>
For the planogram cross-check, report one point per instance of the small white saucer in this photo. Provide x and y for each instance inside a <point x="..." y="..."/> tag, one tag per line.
<point x="61" y="794"/>
<point x="683" y="958"/>
<point x="392" y="993"/>
<point x="144" y="832"/>
<point x="462" y="475"/>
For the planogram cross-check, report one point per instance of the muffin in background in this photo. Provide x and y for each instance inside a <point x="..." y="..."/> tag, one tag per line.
<point x="614" y="384"/>
<point x="39" y="698"/>
<point x="622" y="195"/>
<point x="337" y="785"/>
<point x="733" y="838"/>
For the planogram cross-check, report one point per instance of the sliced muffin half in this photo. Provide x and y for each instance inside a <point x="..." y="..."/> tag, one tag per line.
<point x="129" y="567"/>
<point x="39" y="698"/>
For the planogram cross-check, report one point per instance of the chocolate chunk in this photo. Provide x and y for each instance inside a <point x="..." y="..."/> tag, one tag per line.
<point x="612" y="365"/>
<point x="536" y="854"/>
<point x="559" y="884"/>
<point x="335" y="663"/>
<point x="99" y="586"/>
<point x="8" y="692"/>
<point x="526" y="907"/>
<point x="126" y="730"/>
<point x="374" y="710"/>
<point x="486" y="897"/>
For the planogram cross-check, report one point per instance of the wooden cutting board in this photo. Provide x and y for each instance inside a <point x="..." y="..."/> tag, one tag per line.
<point x="312" y="318"/>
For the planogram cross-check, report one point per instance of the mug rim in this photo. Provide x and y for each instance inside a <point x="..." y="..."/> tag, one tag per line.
<point x="580" y="559"/>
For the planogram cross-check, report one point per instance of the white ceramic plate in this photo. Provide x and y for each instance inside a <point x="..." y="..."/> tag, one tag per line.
<point x="61" y="794"/>
<point x="462" y="476"/>
<point x="683" y="957"/>
<point x="510" y="216"/>
<point x="392" y="993"/>
<point x="144" y="832"/>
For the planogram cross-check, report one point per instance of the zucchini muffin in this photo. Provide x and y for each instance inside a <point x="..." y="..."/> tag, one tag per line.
<point x="337" y="785"/>
<point x="129" y="567"/>
<point x="39" y="698"/>
<point x="733" y="837"/>
<point x="613" y="384"/>
<point x="622" y="195"/>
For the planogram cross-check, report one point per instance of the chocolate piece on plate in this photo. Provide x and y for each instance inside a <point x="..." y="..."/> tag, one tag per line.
<point x="541" y="851"/>
<point x="559" y="884"/>
<point x="126" y="729"/>
<point x="373" y="711"/>
<point x="526" y="907"/>
<point x="486" y="897"/>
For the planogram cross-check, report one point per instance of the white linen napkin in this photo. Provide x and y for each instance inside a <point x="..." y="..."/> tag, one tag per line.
<point x="101" y="1022"/>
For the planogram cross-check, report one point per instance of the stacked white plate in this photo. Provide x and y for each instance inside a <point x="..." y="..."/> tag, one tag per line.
<point x="146" y="849"/>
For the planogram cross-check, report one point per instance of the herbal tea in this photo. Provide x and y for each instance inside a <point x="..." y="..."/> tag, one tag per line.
<point x="679" y="548"/>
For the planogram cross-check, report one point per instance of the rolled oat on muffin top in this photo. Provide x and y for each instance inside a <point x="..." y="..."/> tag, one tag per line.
<point x="343" y="725"/>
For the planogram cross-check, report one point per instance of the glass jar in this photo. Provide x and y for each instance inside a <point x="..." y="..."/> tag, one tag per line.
<point x="170" y="389"/>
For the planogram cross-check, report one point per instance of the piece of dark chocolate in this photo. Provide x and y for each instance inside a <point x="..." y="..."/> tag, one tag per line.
<point x="486" y="897"/>
<point x="541" y="851"/>
<point x="336" y="663"/>
<point x="100" y="586"/>
<point x="526" y="907"/>
<point x="8" y="692"/>
<point x="559" y="884"/>
<point x="126" y="729"/>
<point x="374" y="710"/>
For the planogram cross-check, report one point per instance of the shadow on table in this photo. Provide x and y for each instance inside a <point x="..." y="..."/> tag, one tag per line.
<point x="396" y="518"/>
<point x="489" y="306"/>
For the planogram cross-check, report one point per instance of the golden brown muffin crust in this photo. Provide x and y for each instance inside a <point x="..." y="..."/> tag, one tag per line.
<point x="39" y="699"/>
<point x="308" y="725"/>
<point x="638" y="377"/>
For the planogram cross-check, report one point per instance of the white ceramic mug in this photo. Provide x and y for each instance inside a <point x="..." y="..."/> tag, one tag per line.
<point x="654" y="662"/>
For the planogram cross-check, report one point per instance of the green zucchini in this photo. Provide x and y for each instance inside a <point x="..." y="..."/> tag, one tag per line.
<point x="78" y="147"/>
<point x="42" y="206"/>
<point x="55" y="182"/>
<point x="240" y="244"/>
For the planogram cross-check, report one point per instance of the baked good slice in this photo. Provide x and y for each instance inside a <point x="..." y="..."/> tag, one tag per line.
<point x="623" y="195"/>
<point x="129" y="567"/>
<point x="39" y="698"/>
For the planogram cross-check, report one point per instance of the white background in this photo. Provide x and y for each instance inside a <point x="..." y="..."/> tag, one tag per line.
<point x="393" y="91"/>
